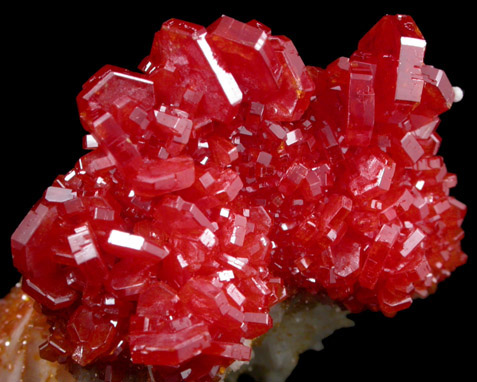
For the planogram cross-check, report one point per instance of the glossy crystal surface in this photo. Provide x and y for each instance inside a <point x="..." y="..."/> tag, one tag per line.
<point x="228" y="176"/>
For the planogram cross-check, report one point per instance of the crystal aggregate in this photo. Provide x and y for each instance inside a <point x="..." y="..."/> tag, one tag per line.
<point x="227" y="177"/>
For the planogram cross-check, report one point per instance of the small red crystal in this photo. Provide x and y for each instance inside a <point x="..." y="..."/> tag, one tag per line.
<point x="228" y="176"/>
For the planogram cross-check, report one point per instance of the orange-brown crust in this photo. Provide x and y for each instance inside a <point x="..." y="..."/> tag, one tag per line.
<point x="22" y="330"/>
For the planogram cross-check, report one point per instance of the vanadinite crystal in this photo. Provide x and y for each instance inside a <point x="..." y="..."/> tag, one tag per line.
<point x="226" y="178"/>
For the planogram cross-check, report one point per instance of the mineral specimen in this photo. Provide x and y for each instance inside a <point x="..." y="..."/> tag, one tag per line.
<point x="228" y="177"/>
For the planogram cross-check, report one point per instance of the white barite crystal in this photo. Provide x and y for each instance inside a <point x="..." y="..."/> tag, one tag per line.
<point x="298" y="326"/>
<point x="458" y="93"/>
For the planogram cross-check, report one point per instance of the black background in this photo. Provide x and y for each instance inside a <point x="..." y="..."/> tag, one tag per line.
<point x="49" y="52"/>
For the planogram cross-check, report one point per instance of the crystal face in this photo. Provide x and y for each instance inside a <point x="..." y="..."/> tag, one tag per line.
<point x="228" y="176"/>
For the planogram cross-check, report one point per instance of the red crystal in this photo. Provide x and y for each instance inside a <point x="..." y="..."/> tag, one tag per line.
<point x="169" y="348"/>
<point x="227" y="177"/>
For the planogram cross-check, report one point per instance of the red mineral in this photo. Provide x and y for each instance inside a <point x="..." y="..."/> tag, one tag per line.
<point x="228" y="177"/>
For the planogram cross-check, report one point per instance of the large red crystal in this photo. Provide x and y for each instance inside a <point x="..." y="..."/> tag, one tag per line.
<point x="227" y="177"/>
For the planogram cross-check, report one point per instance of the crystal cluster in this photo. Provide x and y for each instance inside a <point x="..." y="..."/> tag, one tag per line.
<point x="227" y="177"/>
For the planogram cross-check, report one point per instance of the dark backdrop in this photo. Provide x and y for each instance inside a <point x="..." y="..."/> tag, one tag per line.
<point x="49" y="52"/>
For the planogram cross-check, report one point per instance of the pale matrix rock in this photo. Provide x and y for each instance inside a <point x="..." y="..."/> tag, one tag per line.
<point x="298" y="326"/>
